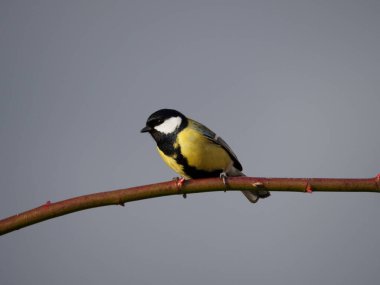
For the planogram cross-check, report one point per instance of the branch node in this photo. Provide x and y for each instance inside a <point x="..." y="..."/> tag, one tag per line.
<point x="258" y="184"/>
<point x="121" y="203"/>
<point x="377" y="180"/>
<point x="308" y="188"/>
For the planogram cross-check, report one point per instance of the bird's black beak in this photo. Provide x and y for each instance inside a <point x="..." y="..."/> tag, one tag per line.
<point x="146" y="129"/>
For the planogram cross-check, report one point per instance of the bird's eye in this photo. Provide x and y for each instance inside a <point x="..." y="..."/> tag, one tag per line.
<point x="159" y="122"/>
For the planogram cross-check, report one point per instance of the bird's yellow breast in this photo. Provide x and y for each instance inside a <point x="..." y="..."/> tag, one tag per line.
<point x="202" y="153"/>
<point x="172" y="163"/>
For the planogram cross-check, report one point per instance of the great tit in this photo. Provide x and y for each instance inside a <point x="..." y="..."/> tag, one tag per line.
<point x="193" y="150"/>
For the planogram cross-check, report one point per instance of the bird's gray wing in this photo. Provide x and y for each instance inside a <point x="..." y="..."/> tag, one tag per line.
<point x="217" y="140"/>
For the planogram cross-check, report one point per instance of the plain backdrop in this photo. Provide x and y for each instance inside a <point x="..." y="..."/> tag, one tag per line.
<point x="292" y="86"/>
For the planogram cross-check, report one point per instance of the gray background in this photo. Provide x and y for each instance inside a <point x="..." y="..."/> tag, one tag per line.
<point x="292" y="86"/>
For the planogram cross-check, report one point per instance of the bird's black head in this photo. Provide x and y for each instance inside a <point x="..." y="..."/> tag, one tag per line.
<point x="165" y="122"/>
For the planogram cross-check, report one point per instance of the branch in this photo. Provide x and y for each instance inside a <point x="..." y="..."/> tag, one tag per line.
<point x="119" y="197"/>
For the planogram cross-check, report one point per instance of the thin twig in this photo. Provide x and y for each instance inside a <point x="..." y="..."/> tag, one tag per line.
<point x="51" y="210"/>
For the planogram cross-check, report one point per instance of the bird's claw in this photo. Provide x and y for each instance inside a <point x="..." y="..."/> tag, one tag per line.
<point x="179" y="183"/>
<point x="223" y="176"/>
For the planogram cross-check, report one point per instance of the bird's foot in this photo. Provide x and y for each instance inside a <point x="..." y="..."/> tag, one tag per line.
<point x="223" y="176"/>
<point x="179" y="183"/>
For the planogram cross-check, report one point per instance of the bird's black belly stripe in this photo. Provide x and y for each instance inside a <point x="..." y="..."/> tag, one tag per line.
<point x="168" y="149"/>
<point x="192" y="171"/>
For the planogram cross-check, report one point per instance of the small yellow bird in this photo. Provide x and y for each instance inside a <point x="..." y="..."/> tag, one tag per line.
<point x="193" y="150"/>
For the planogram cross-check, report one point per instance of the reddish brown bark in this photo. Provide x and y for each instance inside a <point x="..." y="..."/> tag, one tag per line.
<point x="51" y="210"/>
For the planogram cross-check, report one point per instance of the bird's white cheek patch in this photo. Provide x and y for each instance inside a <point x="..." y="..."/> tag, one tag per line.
<point x="169" y="125"/>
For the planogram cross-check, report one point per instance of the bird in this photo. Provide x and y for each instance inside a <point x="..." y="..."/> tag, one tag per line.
<point x="194" y="151"/>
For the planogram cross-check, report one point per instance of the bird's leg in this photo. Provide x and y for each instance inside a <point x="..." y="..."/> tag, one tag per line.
<point x="223" y="176"/>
